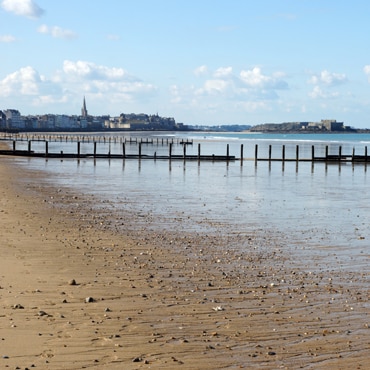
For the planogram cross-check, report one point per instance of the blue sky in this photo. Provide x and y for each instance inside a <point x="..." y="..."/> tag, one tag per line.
<point x="204" y="62"/>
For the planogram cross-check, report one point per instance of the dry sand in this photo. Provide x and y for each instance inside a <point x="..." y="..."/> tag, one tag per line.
<point x="163" y="300"/>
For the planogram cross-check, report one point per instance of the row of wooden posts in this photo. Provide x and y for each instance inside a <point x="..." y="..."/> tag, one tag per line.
<point x="95" y="138"/>
<point x="140" y="155"/>
<point x="340" y="157"/>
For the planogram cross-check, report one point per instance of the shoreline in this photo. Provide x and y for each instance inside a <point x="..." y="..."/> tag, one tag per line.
<point x="161" y="299"/>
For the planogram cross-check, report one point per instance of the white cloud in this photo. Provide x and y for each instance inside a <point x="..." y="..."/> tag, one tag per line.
<point x="318" y="93"/>
<point x="57" y="32"/>
<point x="255" y="78"/>
<point x="25" y="81"/>
<point x="88" y="71"/>
<point x="251" y="84"/>
<point x="27" y="8"/>
<point x="176" y="94"/>
<point x="324" y="82"/>
<point x="7" y="38"/>
<point x="74" y="80"/>
<point x="367" y="71"/>
<point x="91" y="78"/>
<point x="214" y="87"/>
<point x="327" y="78"/>
<point x="223" y="72"/>
<point x="229" y="92"/>
<point x="201" y="70"/>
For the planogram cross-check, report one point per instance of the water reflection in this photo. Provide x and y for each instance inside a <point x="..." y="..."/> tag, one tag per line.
<point x="314" y="203"/>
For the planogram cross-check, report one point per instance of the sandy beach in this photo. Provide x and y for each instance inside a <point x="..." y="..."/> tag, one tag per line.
<point x="84" y="289"/>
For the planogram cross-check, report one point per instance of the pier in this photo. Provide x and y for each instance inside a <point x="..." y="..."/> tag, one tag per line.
<point x="93" y="141"/>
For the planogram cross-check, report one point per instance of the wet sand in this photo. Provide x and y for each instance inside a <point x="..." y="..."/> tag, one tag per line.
<point x="87" y="289"/>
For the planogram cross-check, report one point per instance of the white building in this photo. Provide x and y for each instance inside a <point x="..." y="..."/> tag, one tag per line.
<point x="14" y="119"/>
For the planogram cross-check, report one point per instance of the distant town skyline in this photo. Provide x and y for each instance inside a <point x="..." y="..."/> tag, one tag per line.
<point x="11" y="120"/>
<point x="202" y="62"/>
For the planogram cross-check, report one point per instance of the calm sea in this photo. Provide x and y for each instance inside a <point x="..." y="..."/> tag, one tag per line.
<point x="319" y="207"/>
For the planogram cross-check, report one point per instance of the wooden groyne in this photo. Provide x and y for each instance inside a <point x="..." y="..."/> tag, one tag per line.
<point x="170" y="142"/>
<point x="65" y="138"/>
<point x="334" y="158"/>
<point x="123" y="155"/>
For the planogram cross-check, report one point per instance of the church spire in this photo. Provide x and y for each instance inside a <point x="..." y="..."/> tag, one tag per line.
<point x="83" y="109"/>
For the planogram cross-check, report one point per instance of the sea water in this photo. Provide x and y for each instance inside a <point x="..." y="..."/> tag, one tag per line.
<point x="317" y="206"/>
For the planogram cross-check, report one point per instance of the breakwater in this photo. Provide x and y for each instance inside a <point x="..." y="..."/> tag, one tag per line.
<point x="99" y="146"/>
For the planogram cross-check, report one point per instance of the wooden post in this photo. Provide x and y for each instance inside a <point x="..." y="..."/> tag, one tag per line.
<point x="227" y="151"/>
<point x="297" y="153"/>
<point x="270" y="152"/>
<point x="365" y="153"/>
<point x="155" y="155"/>
<point x="340" y="152"/>
<point x="170" y="150"/>
<point x="184" y="150"/>
<point x="139" y="150"/>
<point x="353" y="154"/>
<point x="256" y="153"/>
<point x="94" y="149"/>
<point x="46" y="148"/>
<point x="29" y="147"/>
<point x="198" y="151"/>
<point x="78" y="149"/>
<point x="14" y="146"/>
<point x="241" y="153"/>
<point x="313" y="153"/>
<point x="123" y="150"/>
<point x="283" y="153"/>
